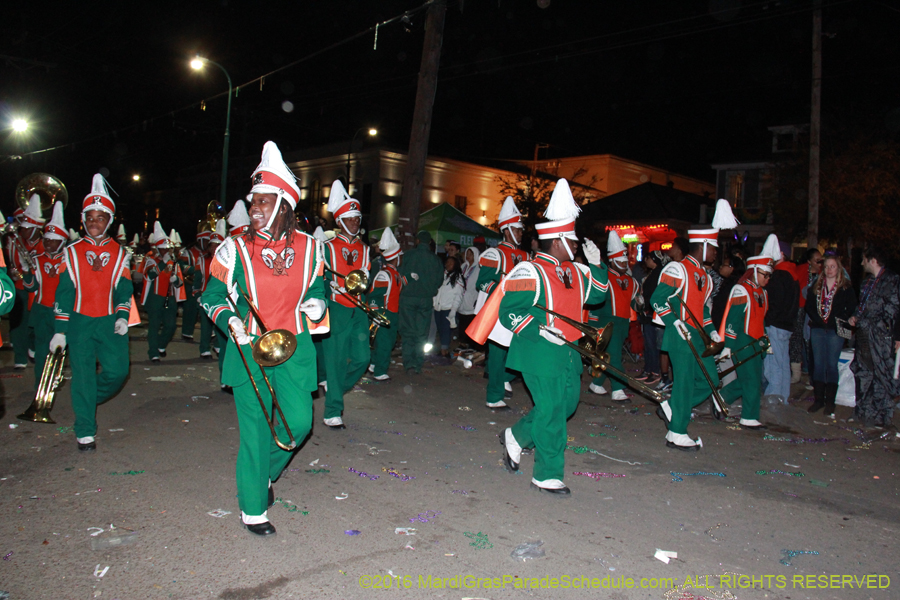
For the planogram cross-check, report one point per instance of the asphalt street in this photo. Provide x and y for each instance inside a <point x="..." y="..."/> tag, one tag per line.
<point x="143" y="516"/>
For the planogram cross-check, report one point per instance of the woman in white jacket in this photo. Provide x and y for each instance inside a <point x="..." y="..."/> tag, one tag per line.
<point x="447" y="302"/>
<point x="467" y="308"/>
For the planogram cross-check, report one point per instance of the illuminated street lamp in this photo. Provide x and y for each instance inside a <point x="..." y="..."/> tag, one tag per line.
<point x="19" y="125"/>
<point x="197" y="64"/>
<point x="372" y="133"/>
<point x="135" y="177"/>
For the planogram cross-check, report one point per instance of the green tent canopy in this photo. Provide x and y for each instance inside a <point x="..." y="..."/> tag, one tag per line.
<point x="445" y="222"/>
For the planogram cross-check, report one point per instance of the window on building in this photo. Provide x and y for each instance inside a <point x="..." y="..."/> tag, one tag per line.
<point x="461" y="202"/>
<point x="734" y="187"/>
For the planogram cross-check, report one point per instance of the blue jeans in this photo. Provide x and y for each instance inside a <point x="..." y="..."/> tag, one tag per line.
<point x="826" y="349"/>
<point x="651" y="348"/>
<point x="443" y="327"/>
<point x="777" y="366"/>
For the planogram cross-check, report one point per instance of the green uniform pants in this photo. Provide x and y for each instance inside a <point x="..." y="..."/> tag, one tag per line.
<point x="347" y="354"/>
<point x="20" y="332"/>
<point x="92" y="340"/>
<point x="497" y="372"/>
<point x="414" y="319"/>
<point x="748" y="382"/>
<point x="161" y="313"/>
<point x="385" y="339"/>
<point x="320" y="359"/>
<point x="259" y="460"/>
<point x="189" y="312"/>
<point x="220" y="341"/>
<point x="689" y="385"/>
<point x="616" y="342"/>
<point x="544" y="427"/>
<point x="206" y="329"/>
<point x="42" y="320"/>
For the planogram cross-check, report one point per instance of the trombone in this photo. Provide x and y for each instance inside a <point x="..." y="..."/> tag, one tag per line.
<point x="51" y="378"/>
<point x="711" y="348"/>
<point x="271" y="349"/>
<point x="356" y="282"/>
<point x="762" y="346"/>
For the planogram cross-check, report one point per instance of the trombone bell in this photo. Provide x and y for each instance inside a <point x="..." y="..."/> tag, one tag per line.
<point x="274" y="347"/>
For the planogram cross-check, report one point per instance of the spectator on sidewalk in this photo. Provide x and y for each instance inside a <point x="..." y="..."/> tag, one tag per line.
<point x="447" y="302"/>
<point x="467" y="309"/>
<point x="784" y="297"/>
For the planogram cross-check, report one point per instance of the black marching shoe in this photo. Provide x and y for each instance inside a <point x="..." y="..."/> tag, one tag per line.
<point x="162" y="353"/>
<point x="507" y="459"/>
<point x="682" y="448"/>
<point x="662" y="415"/>
<point x="89" y="447"/>
<point x="261" y="528"/>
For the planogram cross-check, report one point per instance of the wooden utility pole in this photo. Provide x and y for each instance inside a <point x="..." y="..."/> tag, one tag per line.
<point x="815" y="121"/>
<point x="411" y="198"/>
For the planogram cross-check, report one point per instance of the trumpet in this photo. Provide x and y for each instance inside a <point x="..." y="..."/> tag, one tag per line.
<point x="356" y="282"/>
<point x="273" y="348"/>
<point x="711" y="348"/>
<point x="762" y="346"/>
<point x="51" y="378"/>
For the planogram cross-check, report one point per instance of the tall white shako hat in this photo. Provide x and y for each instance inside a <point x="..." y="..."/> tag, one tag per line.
<point x="218" y="236"/>
<point x="723" y="219"/>
<point x="390" y="247"/>
<point x="510" y="215"/>
<point x="772" y="248"/>
<point x="32" y="216"/>
<point x="18" y="214"/>
<point x="73" y="235"/>
<point x="56" y="228"/>
<point x="203" y="235"/>
<point x="159" y="239"/>
<point x="99" y="199"/>
<point x="174" y="239"/>
<point x="560" y="214"/>
<point x="135" y="241"/>
<point x="761" y="263"/>
<point x="238" y="219"/>
<point x="615" y="249"/>
<point x="272" y="176"/>
<point x="340" y="204"/>
<point x="120" y="234"/>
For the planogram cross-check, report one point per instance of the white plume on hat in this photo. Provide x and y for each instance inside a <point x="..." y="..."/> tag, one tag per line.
<point x="56" y="228"/>
<point x="508" y="211"/>
<point x="158" y="235"/>
<point x="73" y="235"/>
<point x="33" y="216"/>
<point x="724" y="218"/>
<point x="120" y="236"/>
<point x="238" y="216"/>
<point x="319" y="234"/>
<point x="562" y="204"/>
<point x="615" y="249"/>
<point x="389" y="245"/>
<point x="272" y="162"/>
<point x="338" y="198"/>
<point x="222" y="228"/>
<point x="771" y="248"/>
<point x="135" y="240"/>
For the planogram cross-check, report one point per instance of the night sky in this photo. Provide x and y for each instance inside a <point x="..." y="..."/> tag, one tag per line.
<point x="674" y="84"/>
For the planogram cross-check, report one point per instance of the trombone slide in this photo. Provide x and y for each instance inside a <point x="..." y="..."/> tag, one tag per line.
<point x="717" y="398"/>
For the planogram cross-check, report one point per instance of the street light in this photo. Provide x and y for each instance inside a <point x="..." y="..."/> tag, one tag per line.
<point x="19" y="125"/>
<point x="197" y="64"/>
<point x="372" y="133"/>
<point x="136" y="177"/>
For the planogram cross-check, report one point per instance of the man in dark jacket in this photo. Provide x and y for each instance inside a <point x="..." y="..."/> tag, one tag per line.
<point x="784" y="301"/>
<point x="423" y="275"/>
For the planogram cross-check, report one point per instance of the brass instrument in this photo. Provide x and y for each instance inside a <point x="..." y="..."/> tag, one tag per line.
<point x="762" y="346"/>
<point x="48" y="187"/>
<point x="273" y="348"/>
<point x="356" y="282"/>
<point x="214" y="212"/>
<point x="24" y="254"/>
<point x="711" y="348"/>
<point x="51" y="378"/>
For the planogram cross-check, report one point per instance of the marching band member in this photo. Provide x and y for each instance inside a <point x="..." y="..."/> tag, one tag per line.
<point x="92" y="306"/>
<point x="624" y="291"/>
<point x="551" y="369"/>
<point x="279" y="269"/>
<point x="7" y="287"/>
<point x="207" y="327"/>
<point x="121" y="237"/>
<point x="743" y="325"/>
<point x="346" y="349"/>
<point x="162" y="289"/>
<point x="689" y="281"/>
<point x="238" y="220"/>
<point x="43" y="283"/>
<point x="385" y="295"/>
<point x="29" y="240"/>
<point x="495" y="264"/>
<point x="191" y="260"/>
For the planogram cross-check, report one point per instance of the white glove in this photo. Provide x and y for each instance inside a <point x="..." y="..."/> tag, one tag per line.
<point x="714" y="336"/>
<point x="725" y="353"/>
<point x="452" y="319"/>
<point x="238" y="331"/>
<point x="121" y="326"/>
<point x="682" y="329"/>
<point x="415" y="276"/>
<point x="548" y="334"/>
<point x="314" y="308"/>
<point x="338" y="289"/>
<point x="591" y="252"/>
<point x="173" y="279"/>
<point x="57" y="341"/>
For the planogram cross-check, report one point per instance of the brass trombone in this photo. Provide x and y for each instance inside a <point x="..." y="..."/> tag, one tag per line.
<point x="356" y="282"/>
<point x="271" y="349"/>
<point x="51" y="378"/>
<point x="711" y="348"/>
<point x="762" y="346"/>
